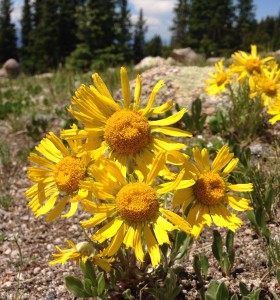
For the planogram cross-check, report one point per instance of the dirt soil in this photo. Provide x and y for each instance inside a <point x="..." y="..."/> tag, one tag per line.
<point x="27" y="243"/>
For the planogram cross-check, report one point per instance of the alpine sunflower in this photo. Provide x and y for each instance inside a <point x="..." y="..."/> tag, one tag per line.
<point x="246" y="64"/>
<point x="84" y="251"/>
<point x="133" y="210"/>
<point x="266" y="84"/>
<point x="57" y="175"/>
<point x="219" y="80"/>
<point x="207" y="199"/>
<point x="121" y="129"/>
<point x="274" y="109"/>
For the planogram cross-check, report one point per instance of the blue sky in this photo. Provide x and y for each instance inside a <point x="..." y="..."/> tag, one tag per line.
<point x="159" y="13"/>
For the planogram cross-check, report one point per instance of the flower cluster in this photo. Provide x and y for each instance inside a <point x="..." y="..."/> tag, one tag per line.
<point x="123" y="166"/>
<point x="261" y="75"/>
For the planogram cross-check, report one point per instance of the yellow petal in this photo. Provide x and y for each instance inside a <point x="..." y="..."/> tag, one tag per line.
<point x="129" y="237"/>
<point x="137" y="93"/>
<point x="163" y="108"/>
<point x="57" y="209"/>
<point x="150" y="103"/>
<point x="171" y="131"/>
<point x="169" y="120"/>
<point x="238" y="203"/>
<point x="230" y="167"/>
<point x="222" y="159"/>
<point x="125" y="87"/>
<point x="94" y="207"/>
<point x="71" y="212"/>
<point x="108" y="231"/>
<point x="161" y="234"/>
<point x="177" y="220"/>
<point x="116" y="242"/>
<point x="241" y="187"/>
<point x="138" y="243"/>
<point x="167" y="145"/>
<point x="152" y="245"/>
<point x="48" y="205"/>
<point x="95" y="220"/>
<point x="171" y="186"/>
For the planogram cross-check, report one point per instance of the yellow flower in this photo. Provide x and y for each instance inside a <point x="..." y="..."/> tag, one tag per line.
<point x="274" y="109"/>
<point x="123" y="131"/>
<point x="133" y="211"/>
<point x="266" y="84"/>
<point x="207" y="199"/>
<point x="57" y="175"/>
<point x="246" y="64"/>
<point x="84" y="251"/>
<point x="219" y="80"/>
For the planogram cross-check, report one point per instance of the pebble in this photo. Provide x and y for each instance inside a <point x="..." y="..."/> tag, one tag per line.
<point x="36" y="270"/>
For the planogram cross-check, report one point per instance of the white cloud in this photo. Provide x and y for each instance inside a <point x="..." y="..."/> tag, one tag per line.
<point x="158" y="15"/>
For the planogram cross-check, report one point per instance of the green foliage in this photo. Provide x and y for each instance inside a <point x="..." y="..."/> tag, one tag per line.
<point x="8" y="48"/>
<point x="195" y="121"/>
<point x="92" y="286"/>
<point x="38" y="127"/>
<point x="180" y="25"/>
<point x="225" y="258"/>
<point x="219" y="123"/>
<point x="169" y="289"/>
<point x="140" y="30"/>
<point x="154" y="46"/>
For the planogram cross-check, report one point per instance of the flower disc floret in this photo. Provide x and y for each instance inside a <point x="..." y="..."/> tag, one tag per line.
<point x="221" y="78"/>
<point x="137" y="202"/>
<point x="127" y="131"/>
<point x="209" y="189"/>
<point x="270" y="88"/>
<point x="68" y="173"/>
<point x="253" y="64"/>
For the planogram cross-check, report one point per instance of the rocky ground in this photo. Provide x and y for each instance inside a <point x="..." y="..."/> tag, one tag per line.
<point x="26" y="243"/>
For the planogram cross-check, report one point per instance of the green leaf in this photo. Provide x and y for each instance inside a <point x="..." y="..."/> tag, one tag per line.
<point x="243" y="289"/>
<point x="100" y="284"/>
<point x="278" y="275"/>
<point x="269" y="199"/>
<point x="234" y="297"/>
<point x="212" y="290"/>
<point x="204" y="264"/>
<point x="222" y="292"/>
<point x="88" y="271"/>
<point x="197" y="268"/>
<point x="252" y="217"/>
<point x="89" y="287"/>
<point x="225" y="264"/>
<point x="127" y="294"/>
<point x="75" y="286"/>
<point x="230" y="248"/>
<point x="217" y="246"/>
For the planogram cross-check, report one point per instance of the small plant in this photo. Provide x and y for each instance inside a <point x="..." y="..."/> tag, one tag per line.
<point x="225" y="258"/>
<point x="195" y="121"/>
<point x="92" y="286"/>
<point x="200" y="266"/>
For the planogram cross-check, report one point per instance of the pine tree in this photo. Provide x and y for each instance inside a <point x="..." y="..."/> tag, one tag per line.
<point x="44" y="52"/>
<point x="180" y="24"/>
<point x="140" y="30"/>
<point x="211" y="26"/>
<point x="123" y="34"/>
<point x="8" y="40"/>
<point x="67" y="28"/>
<point x="26" y="30"/>
<point x="96" y="34"/>
<point x="154" y="46"/>
<point x="246" y="23"/>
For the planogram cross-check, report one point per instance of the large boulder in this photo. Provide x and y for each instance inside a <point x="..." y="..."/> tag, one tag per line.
<point x="151" y="61"/>
<point x="11" y="66"/>
<point x="185" y="55"/>
<point x="3" y="73"/>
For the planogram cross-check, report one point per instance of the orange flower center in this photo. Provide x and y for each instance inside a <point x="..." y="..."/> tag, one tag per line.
<point x="253" y="64"/>
<point x="137" y="202"/>
<point x="270" y="88"/>
<point x="221" y="78"/>
<point x="68" y="173"/>
<point x="209" y="189"/>
<point x="127" y="131"/>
